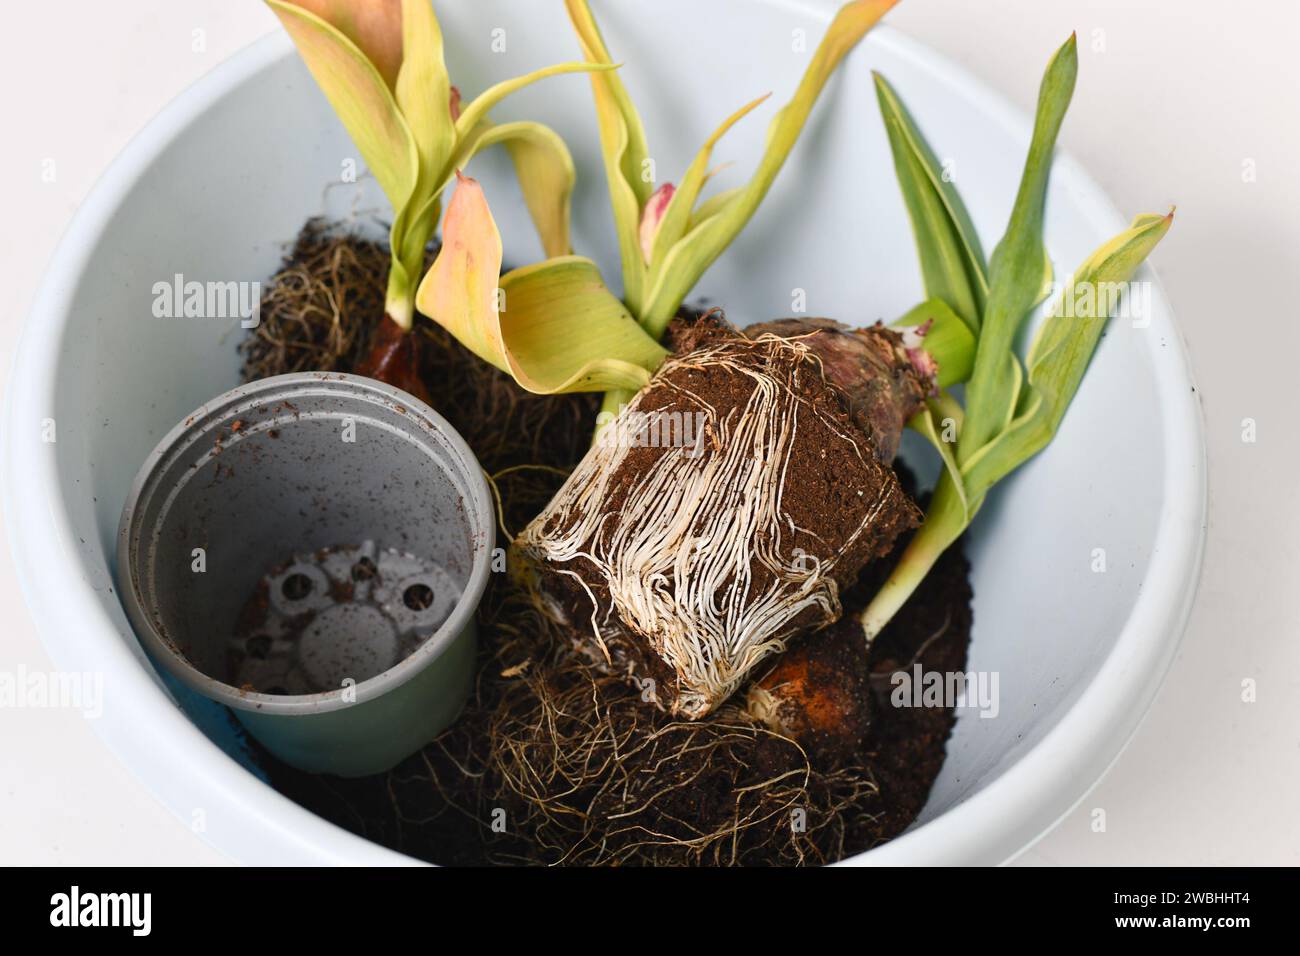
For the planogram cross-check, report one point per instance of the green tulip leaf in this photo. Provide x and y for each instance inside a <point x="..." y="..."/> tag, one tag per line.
<point x="692" y="255"/>
<point x="553" y="326"/>
<point x="357" y="91"/>
<point x="952" y="260"/>
<point x="546" y="177"/>
<point x="1018" y="265"/>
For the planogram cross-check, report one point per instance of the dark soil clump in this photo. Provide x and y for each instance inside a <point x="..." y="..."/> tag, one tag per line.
<point x="779" y="479"/>
<point x="554" y="760"/>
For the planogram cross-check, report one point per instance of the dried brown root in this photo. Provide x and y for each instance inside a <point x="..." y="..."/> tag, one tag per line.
<point x="572" y="758"/>
<point x="324" y="311"/>
<point x="319" y="309"/>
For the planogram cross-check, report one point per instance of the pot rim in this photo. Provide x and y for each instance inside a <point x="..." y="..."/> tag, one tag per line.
<point x="993" y="825"/>
<point x="482" y="534"/>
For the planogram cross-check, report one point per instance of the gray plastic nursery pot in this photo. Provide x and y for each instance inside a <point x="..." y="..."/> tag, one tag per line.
<point x="309" y="550"/>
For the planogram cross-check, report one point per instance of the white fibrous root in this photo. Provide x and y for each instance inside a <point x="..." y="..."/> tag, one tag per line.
<point x="721" y="512"/>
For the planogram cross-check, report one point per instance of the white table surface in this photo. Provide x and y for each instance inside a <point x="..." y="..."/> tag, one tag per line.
<point x="1175" y="99"/>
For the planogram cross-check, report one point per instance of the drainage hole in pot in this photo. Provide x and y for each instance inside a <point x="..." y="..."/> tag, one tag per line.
<point x="418" y="597"/>
<point x="364" y="570"/>
<point x="296" y="587"/>
<point x="259" y="646"/>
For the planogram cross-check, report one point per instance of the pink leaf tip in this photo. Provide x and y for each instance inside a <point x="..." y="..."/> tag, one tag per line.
<point x="655" y="208"/>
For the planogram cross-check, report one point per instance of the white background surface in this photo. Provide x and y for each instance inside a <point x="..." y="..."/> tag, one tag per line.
<point x="1176" y="99"/>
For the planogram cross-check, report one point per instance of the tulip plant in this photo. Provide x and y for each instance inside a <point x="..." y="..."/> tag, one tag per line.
<point x="668" y="237"/>
<point x="380" y="65"/>
<point x="1012" y="409"/>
